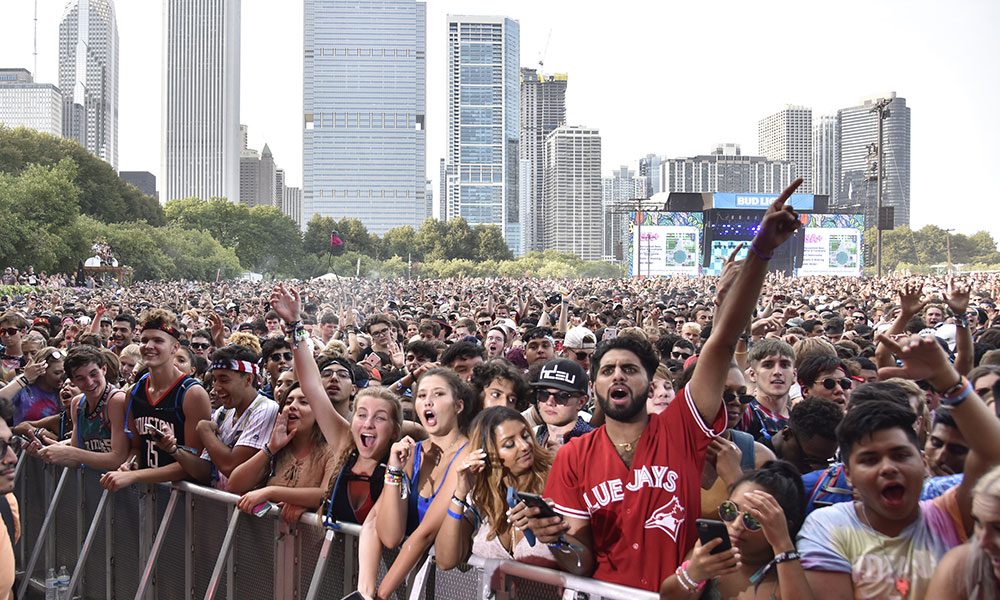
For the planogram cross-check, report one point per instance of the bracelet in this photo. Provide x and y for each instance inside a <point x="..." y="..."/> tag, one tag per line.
<point x="289" y="328"/>
<point x="454" y="515"/>
<point x="684" y="570"/>
<point x="685" y="580"/>
<point x="757" y="252"/>
<point x="267" y="452"/>
<point x="951" y="391"/>
<point x="952" y="398"/>
<point x="23" y="381"/>
<point x="786" y="556"/>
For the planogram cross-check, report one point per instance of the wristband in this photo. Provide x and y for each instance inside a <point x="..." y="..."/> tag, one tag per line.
<point x="786" y="556"/>
<point x="962" y="322"/>
<point x="953" y="398"/>
<point x="454" y="515"/>
<point x="684" y="569"/>
<point x="289" y="328"/>
<point x="758" y="253"/>
<point x="267" y="452"/>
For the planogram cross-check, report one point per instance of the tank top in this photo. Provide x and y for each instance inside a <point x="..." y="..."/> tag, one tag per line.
<point x="166" y="413"/>
<point x="93" y="431"/>
<point x="338" y="504"/>
<point x="418" y="505"/>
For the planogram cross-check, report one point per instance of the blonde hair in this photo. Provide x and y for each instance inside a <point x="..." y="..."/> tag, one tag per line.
<point x="812" y="346"/>
<point x="247" y="340"/>
<point x="691" y="327"/>
<point x="979" y="579"/>
<point x="335" y="349"/>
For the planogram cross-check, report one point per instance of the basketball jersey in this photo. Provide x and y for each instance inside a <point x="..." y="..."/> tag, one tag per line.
<point x="93" y="431"/>
<point x="166" y="413"/>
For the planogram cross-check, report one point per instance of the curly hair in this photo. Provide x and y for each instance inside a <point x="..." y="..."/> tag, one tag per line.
<point x="489" y="492"/>
<point x="498" y="368"/>
<point x="815" y="416"/>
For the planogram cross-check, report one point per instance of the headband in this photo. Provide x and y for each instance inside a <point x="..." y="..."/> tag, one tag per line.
<point x="240" y="366"/>
<point x="164" y="328"/>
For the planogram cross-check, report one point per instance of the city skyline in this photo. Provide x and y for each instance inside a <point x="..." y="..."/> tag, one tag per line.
<point x="938" y="60"/>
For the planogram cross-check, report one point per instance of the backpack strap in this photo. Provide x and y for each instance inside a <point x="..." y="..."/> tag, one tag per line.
<point x="745" y="442"/>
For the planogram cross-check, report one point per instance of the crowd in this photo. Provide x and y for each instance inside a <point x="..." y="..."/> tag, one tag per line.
<point x="700" y="437"/>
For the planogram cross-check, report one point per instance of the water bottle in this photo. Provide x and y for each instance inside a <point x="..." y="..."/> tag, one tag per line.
<point x="50" y="585"/>
<point x="62" y="584"/>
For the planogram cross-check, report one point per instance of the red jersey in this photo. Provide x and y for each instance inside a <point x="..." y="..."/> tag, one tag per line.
<point x="642" y="518"/>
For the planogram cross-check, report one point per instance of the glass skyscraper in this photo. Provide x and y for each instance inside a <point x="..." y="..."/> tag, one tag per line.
<point x="364" y="97"/>
<point x="481" y="168"/>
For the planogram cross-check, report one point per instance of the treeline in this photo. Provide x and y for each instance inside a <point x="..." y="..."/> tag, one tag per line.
<point x="918" y="250"/>
<point x="56" y="199"/>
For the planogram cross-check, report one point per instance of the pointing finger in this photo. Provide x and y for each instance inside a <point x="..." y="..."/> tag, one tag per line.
<point x="779" y="202"/>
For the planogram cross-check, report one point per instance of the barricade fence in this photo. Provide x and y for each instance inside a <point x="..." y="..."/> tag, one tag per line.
<point x="184" y="541"/>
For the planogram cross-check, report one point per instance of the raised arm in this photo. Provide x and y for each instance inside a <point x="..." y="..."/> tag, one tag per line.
<point x="736" y="305"/>
<point x="910" y="305"/>
<point x="335" y="428"/>
<point x="958" y="301"/>
<point x="924" y="359"/>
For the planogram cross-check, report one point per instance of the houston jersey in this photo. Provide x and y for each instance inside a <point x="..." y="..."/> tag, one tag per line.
<point x="642" y="518"/>
<point x="166" y="413"/>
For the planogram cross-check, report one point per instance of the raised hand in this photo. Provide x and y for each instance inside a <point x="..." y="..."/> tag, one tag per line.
<point x="957" y="297"/>
<point x="779" y="223"/>
<point x="400" y="452"/>
<point x="280" y="435"/>
<point x="286" y="303"/>
<point x="922" y="358"/>
<point x="467" y="472"/>
<point x="911" y="301"/>
<point x="705" y="565"/>
<point x="730" y="271"/>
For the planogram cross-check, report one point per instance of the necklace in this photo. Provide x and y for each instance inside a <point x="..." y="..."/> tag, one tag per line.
<point x="902" y="583"/>
<point x="437" y="457"/>
<point x="626" y="447"/>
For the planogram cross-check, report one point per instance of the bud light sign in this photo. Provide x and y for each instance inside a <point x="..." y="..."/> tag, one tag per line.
<point x="728" y="200"/>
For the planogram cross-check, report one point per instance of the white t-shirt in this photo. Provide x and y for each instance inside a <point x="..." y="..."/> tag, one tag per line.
<point x="252" y="429"/>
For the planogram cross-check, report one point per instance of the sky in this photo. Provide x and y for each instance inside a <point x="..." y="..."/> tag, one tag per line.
<point x="667" y="77"/>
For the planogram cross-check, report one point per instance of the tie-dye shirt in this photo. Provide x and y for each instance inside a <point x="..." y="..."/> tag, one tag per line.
<point x="835" y="539"/>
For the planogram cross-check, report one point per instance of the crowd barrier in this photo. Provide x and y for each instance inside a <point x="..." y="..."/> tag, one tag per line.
<point x="183" y="541"/>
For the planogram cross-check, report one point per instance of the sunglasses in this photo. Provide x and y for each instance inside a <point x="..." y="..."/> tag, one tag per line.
<point x="15" y="443"/>
<point x="287" y="356"/>
<point x="730" y="396"/>
<point x="9" y="330"/>
<point x="485" y="323"/>
<point x="582" y="355"/>
<point x="728" y="511"/>
<point x="562" y="398"/>
<point x="680" y="355"/>
<point x="830" y="383"/>
<point x="204" y="346"/>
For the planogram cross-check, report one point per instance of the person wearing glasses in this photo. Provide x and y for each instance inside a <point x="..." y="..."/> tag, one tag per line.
<point x="380" y="328"/>
<point x="34" y="394"/>
<point x="12" y="328"/>
<point x="762" y="516"/>
<point x="276" y="354"/>
<point x="579" y="345"/>
<point x="826" y="377"/>
<point x="682" y="350"/>
<point x="9" y="446"/>
<point x="559" y="393"/>
<point x="201" y="343"/>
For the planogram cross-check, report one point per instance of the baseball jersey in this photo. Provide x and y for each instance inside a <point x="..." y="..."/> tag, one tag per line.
<point x="642" y="518"/>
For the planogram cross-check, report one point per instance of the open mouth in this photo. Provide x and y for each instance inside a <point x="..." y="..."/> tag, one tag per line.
<point x="430" y="419"/>
<point x="619" y="393"/>
<point x="892" y="494"/>
<point x="367" y="440"/>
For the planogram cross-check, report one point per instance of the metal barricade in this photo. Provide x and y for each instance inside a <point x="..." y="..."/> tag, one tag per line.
<point x="184" y="541"/>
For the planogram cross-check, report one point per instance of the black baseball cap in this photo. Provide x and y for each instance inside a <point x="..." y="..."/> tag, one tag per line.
<point x="562" y="374"/>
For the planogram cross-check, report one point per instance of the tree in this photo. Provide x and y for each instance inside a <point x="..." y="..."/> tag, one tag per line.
<point x="101" y="193"/>
<point x="317" y="236"/>
<point x="401" y="242"/>
<point x="38" y="208"/>
<point x="430" y="240"/>
<point x="491" y="243"/>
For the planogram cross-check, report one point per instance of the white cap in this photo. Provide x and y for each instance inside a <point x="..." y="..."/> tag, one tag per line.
<point x="580" y="338"/>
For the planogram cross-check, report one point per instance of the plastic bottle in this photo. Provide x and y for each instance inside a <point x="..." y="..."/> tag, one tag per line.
<point x="50" y="585"/>
<point x="63" y="583"/>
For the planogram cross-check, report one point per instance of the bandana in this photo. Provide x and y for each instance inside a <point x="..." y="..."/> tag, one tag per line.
<point x="165" y="329"/>
<point x="240" y="366"/>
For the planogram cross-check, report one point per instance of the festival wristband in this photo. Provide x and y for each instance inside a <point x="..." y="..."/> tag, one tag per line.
<point x="454" y="515"/>
<point x="953" y="398"/>
<point x="758" y="253"/>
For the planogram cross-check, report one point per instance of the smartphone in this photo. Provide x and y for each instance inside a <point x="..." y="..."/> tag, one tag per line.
<point x="708" y="530"/>
<point x="536" y="500"/>
<point x="263" y="508"/>
<point x="154" y="432"/>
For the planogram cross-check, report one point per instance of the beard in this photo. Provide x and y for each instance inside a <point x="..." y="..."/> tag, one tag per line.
<point x="623" y="413"/>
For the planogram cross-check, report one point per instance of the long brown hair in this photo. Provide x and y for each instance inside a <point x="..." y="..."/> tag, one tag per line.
<point x="489" y="492"/>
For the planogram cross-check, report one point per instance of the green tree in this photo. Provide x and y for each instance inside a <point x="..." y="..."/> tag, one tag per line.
<point x="38" y="208"/>
<point x="401" y="242"/>
<point x="317" y="236"/>
<point x="101" y="194"/>
<point x="430" y="240"/>
<point x="491" y="243"/>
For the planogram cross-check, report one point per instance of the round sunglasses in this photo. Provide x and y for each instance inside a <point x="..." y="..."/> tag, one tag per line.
<point x="729" y="510"/>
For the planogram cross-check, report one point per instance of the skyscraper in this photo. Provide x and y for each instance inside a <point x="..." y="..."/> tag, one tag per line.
<point x="571" y="206"/>
<point x="825" y="156"/>
<point x="24" y="103"/>
<point x="649" y="169"/>
<point x="291" y="204"/>
<point x="482" y="164"/>
<point x="787" y="135"/>
<point x="364" y="102"/>
<point x="266" y="179"/>
<point x="200" y="137"/>
<point x="88" y="76"/>
<point x="616" y="195"/>
<point x="543" y="108"/>
<point x="857" y="133"/>
<point x="727" y="170"/>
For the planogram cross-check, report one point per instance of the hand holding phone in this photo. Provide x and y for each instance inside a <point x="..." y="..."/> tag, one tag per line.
<point x="153" y="432"/>
<point x="709" y="530"/>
